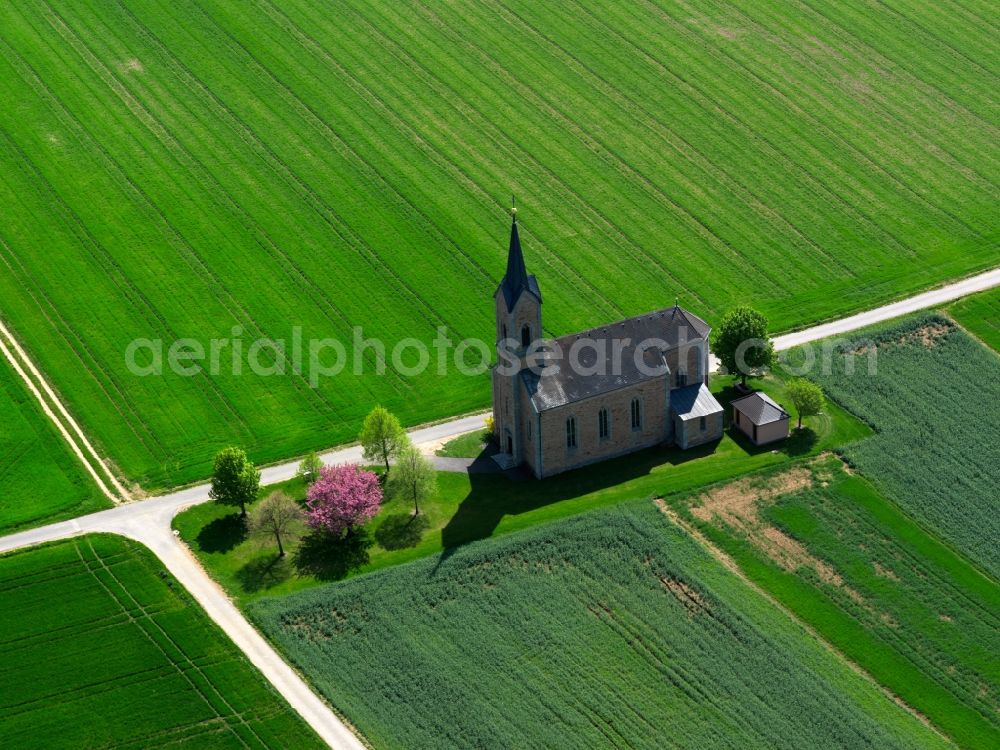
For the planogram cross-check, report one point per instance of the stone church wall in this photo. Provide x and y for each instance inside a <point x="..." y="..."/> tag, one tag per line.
<point x="656" y="428"/>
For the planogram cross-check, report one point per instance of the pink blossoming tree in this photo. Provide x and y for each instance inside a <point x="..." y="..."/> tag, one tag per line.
<point x="342" y="498"/>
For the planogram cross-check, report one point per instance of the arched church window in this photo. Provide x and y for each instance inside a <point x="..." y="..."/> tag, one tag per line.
<point x="525" y="336"/>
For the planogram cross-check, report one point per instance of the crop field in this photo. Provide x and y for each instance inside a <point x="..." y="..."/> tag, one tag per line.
<point x="609" y="628"/>
<point x="99" y="648"/>
<point x="214" y="170"/>
<point x="980" y="314"/>
<point x="895" y="600"/>
<point x="40" y="480"/>
<point x="933" y="402"/>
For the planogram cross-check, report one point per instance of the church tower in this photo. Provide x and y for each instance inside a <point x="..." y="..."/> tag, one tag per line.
<point x="518" y="305"/>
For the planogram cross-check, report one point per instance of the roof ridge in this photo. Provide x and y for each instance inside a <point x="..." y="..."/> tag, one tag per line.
<point x="631" y="318"/>
<point x="763" y="397"/>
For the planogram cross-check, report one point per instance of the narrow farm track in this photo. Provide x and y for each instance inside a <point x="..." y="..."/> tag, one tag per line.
<point x="931" y="298"/>
<point x="64" y="422"/>
<point x="149" y="521"/>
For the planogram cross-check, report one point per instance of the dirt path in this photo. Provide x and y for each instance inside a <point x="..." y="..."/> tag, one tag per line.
<point x="67" y="426"/>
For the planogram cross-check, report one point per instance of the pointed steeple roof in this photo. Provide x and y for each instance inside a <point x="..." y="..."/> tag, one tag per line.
<point x="517" y="279"/>
<point x="517" y="274"/>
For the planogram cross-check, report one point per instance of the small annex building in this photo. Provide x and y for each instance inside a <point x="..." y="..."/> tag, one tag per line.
<point x="760" y="418"/>
<point x="615" y="389"/>
<point x="697" y="415"/>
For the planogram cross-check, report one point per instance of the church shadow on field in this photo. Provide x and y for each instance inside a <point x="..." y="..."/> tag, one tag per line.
<point x="329" y="558"/>
<point x="483" y="463"/>
<point x="493" y="496"/>
<point x="222" y="534"/>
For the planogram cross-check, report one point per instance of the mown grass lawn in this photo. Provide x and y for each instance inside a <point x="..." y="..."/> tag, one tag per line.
<point x="210" y="170"/>
<point x="612" y="628"/>
<point x="470" y="507"/>
<point x="40" y="480"/>
<point x="101" y="648"/>
<point x="890" y="596"/>
<point x="464" y="446"/>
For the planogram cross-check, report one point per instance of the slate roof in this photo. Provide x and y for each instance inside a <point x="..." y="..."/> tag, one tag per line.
<point x="668" y="328"/>
<point x="760" y="408"/>
<point x="694" y="401"/>
<point x="517" y="279"/>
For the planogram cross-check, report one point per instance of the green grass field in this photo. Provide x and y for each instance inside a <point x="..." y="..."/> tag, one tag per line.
<point x="178" y="169"/>
<point x="895" y="600"/>
<point x="40" y="480"/>
<point x="464" y="446"/>
<point x="470" y="507"/>
<point x="101" y="648"/>
<point x="933" y="402"/>
<point x="980" y="314"/>
<point x="613" y="628"/>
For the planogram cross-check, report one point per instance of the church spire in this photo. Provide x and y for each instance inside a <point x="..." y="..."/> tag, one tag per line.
<point x="517" y="275"/>
<point x="516" y="280"/>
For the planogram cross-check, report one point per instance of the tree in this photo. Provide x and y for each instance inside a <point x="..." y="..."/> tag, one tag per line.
<point x="807" y="397"/>
<point x="741" y="343"/>
<point x="342" y="498"/>
<point x="235" y="480"/>
<point x="413" y="478"/>
<point x="382" y="436"/>
<point x="309" y="468"/>
<point x="276" y="515"/>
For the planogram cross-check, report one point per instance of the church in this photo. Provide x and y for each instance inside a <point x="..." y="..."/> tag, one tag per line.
<point x="559" y="404"/>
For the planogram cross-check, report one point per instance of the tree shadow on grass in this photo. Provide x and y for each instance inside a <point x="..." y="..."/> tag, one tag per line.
<point x="330" y="558"/>
<point x="401" y="530"/>
<point x="222" y="534"/>
<point x="731" y="393"/>
<point x="264" y="573"/>
<point x="801" y="442"/>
